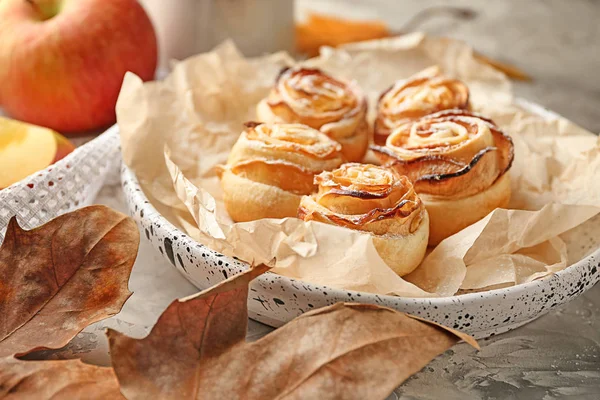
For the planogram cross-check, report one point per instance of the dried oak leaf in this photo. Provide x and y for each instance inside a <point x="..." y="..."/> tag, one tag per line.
<point x="62" y="276"/>
<point x="188" y="334"/>
<point x="350" y="351"/>
<point x="69" y="379"/>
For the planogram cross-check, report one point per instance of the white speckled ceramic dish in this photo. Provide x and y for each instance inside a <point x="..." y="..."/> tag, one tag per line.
<point x="71" y="183"/>
<point x="275" y="299"/>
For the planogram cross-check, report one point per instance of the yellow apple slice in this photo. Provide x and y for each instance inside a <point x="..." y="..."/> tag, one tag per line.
<point x="26" y="148"/>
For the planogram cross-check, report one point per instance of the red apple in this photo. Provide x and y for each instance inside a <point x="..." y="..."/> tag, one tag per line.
<point x="62" y="62"/>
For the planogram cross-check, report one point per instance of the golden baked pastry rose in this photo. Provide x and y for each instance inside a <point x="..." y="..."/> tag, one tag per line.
<point x="310" y="97"/>
<point x="271" y="166"/>
<point x="377" y="200"/>
<point x="423" y="93"/>
<point x="458" y="162"/>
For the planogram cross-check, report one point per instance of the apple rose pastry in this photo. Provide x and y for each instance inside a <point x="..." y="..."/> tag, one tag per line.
<point x="458" y="163"/>
<point x="310" y="97"/>
<point x="424" y="93"/>
<point x="377" y="200"/>
<point x="271" y="166"/>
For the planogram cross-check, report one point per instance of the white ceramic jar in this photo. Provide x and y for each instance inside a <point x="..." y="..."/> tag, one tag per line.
<point x="188" y="27"/>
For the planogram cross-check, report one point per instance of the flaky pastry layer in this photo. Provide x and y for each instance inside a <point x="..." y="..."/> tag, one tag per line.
<point x="424" y="93"/>
<point x="376" y="200"/>
<point x="271" y="166"/>
<point x="311" y="97"/>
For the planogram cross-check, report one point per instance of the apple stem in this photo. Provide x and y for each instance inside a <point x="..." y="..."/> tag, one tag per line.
<point x="46" y="10"/>
<point x="33" y="4"/>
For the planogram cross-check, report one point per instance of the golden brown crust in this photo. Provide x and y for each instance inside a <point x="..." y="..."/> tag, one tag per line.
<point x="376" y="200"/>
<point x="453" y="153"/>
<point x="449" y="216"/>
<point x="271" y="166"/>
<point x="449" y="156"/>
<point x="424" y="93"/>
<point x="311" y="97"/>
<point x="247" y="200"/>
<point x="287" y="176"/>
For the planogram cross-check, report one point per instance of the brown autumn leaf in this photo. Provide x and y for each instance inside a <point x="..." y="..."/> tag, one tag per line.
<point x="189" y="332"/>
<point x="62" y="276"/>
<point x="351" y="351"/>
<point x="68" y="379"/>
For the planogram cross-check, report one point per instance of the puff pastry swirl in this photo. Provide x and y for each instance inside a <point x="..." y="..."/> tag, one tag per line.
<point x="377" y="200"/>
<point x="311" y="97"/>
<point x="271" y="166"/>
<point x="458" y="162"/>
<point x="424" y="93"/>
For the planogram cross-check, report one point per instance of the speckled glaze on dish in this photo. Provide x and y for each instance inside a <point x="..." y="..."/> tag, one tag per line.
<point x="275" y="300"/>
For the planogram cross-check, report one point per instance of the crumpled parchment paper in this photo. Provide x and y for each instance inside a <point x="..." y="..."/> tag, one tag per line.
<point x="175" y="131"/>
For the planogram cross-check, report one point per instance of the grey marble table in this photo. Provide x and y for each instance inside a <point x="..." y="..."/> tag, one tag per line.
<point x="554" y="357"/>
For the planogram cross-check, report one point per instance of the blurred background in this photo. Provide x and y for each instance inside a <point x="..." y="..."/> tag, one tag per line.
<point x="552" y="47"/>
<point x="555" y="42"/>
<point x="62" y="62"/>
